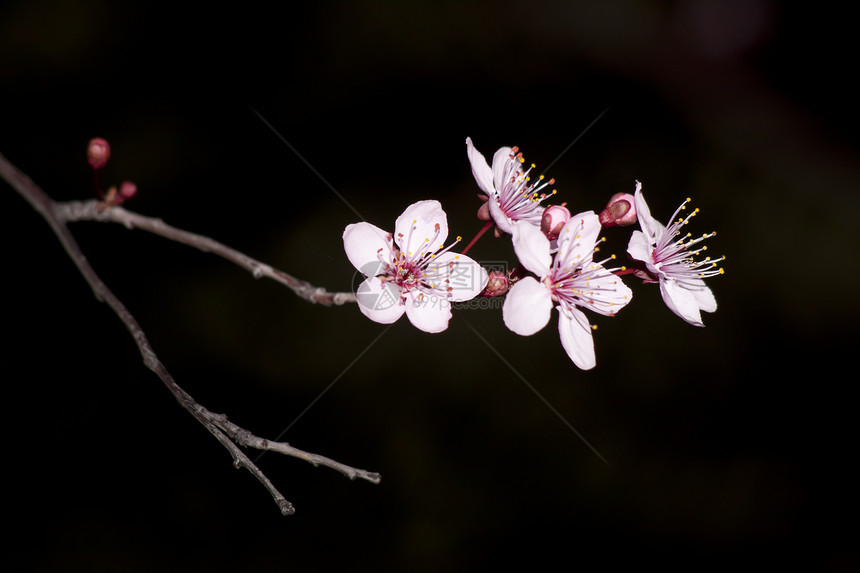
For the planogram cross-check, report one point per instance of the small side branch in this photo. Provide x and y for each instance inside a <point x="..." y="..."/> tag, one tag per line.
<point x="95" y="211"/>
<point x="228" y="434"/>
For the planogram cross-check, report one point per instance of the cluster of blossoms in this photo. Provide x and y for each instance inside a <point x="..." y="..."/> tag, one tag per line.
<point x="412" y="272"/>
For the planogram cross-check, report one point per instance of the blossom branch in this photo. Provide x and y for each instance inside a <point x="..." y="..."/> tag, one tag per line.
<point x="227" y="433"/>
<point x="93" y="210"/>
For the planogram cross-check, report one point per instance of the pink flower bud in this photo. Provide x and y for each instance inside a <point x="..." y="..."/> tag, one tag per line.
<point x="98" y="153"/>
<point x="127" y="190"/>
<point x="619" y="212"/>
<point x="553" y="219"/>
<point x="497" y="285"/>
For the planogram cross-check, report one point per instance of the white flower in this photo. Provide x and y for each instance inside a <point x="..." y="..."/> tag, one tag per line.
<point x="512" y="196"/>
<point x="569" y="281"/>
<point x="669" y="260"/>
<point x="411" y="271"/>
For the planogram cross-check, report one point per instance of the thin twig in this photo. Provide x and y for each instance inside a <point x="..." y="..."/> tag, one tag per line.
<point x="227" y="433"/>
<point x="95" y="211"/>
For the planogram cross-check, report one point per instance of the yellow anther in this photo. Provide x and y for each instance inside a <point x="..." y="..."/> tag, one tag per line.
<point x="459" y="238"/>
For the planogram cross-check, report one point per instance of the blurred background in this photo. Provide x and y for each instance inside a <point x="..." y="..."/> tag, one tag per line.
<point x="271" y="130"/>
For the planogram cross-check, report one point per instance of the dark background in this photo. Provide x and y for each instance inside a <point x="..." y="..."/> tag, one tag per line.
<point x="727" y="445"/>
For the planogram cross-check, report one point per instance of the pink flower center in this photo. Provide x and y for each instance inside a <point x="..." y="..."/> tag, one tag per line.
<point x="520" y="198"/>
<point x="676" y="257"/>
<point x="415" y="268"/>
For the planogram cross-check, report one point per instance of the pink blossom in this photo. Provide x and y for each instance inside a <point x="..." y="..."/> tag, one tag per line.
<point x="670" y="260"/>
<point x="572" y="279"/>
<point x="411" y="271"/>
<point x="512" y="195"/>
<point x="98" y="152"/>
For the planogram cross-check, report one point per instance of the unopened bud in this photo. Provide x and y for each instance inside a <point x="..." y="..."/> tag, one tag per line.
<point x="127" y="190"/>
<point x="98" y="153"/>
<point x="497" y="285"/>
<point x="619" y="212"/>
<point x="553" y="220"/>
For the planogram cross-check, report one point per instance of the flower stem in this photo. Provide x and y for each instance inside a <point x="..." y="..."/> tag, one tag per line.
<point x="97" y="185"/>
<point x="476" y="237"/>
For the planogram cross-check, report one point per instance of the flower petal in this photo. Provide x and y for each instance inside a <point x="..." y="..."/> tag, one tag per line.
<point x="428" y="313"/>
<point x="362" y="242"/>
<point x="703" y="295"/>
<point x="378" y="301"/>
<point x="462" y="274"/>
<point x="527" y="307"/>
<point x="613" y="293"/>
<point x="681" y="301"/>
<point x="480" y="169"/>
<point x="577" y="238"/>
<point x="652" y="228"/>
<point x="575" y="333"/>
<point x="501" y="167"/>
<point x="502" y="221"/>
<point x="419" y="236"/>
<point x="532" y="249"/>
<point x="639" y="248"/>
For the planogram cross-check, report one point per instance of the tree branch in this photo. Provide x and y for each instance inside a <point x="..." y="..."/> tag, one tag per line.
<point x="96" y="211"/>
<point x="227" y="433"/>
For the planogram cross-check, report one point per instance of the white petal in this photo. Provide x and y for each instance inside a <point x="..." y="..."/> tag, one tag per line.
<point x="379" y="302"/>
<point x="362" y="242"/>
<point x="652" y="228"/>
<point x="499" y="218"/>
<point x="480" y="169"/>
<point x="639" y="248"/>
<point x="419" y="236"/>
<point x="703" y="295"/>
<point x="613" y="294"/>
<point x="501" y="164"/>
<point x="575" y="333"/>
<point x="428" y="313"/>
<point x="532" y="249"/>
<point x="681" y="301"/>
<point x="462" y="274"/>
<point x="577" y="238"/>
<point x="527" y="307"/>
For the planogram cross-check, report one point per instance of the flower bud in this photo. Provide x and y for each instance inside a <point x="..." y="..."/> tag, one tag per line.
<point x="554" y="218"/>
<point x="497" y="285"/>
<point x="127" y="190"/>
<point x="619" y="212"/>
<point x="98" y="153"/>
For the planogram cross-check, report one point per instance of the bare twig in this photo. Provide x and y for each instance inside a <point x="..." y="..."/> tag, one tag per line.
<point x="227" y="433"/>
<point x="95" y="211"/>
